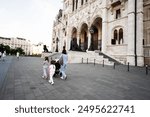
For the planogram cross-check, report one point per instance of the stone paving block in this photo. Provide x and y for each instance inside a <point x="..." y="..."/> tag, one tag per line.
<point x="19" y="97"/>
<point x="37" y="92"/>
<point x="30" y="96"/>
<point x="8" y="97"/>
<point x="85" y="82"/>
<point x="40" y="98"/>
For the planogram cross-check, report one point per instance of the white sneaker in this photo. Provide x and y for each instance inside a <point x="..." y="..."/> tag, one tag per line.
<point x="50" y="82"/>
<point x="62" y="78"/>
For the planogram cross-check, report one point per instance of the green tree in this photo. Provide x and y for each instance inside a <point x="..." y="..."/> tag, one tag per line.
<point x="7" y="49"/>
<point x="13" y="51"/>
<point x="20" y="50"/>
<point x="2" y="48"/>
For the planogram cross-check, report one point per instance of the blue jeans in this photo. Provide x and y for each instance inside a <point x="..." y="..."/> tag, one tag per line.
<point x="63" y="69"/>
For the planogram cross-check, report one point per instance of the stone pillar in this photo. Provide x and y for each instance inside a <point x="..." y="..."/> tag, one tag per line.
<point x="78" y="37"/>
<point x="131" y="34"/>
<point x="104" y="30"/>
<point x="140" y="56"/>
<point x="61" y="42"/>
<point x="68" y="41"/>
<point x="89" y="40"/>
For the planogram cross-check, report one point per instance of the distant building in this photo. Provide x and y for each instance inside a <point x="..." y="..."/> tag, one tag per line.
<point x="37" y="49"/>
<point x="17" y="43"/>
<point x="107" y="26"/>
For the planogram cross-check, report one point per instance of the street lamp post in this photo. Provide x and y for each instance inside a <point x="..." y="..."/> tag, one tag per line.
<point x="92" y="32"/>
<point x="57" y="40"/>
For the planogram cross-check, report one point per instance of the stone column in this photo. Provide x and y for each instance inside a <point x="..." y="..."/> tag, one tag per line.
<point x="89" y="40"/>
<point x="131" y="34"/>
<point x="104" y="30"/>
<point x="68" y="41"/>
<point x="61" y="41"/>
<point x="140" y="56"/>
<point x="78" y="37"/>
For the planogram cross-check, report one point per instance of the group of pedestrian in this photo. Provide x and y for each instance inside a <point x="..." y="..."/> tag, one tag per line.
<point x="50" y="68"/>
<point x="2" y="55"/>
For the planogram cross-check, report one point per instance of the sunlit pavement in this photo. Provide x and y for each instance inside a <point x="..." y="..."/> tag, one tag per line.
<point x="21" y="80"/>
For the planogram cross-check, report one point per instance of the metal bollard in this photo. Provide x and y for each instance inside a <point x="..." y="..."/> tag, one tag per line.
<point x="94" y="62"/>
<point x="87" y="60"/>
<point x="103" y="63"/>
<point x="146" y="69"/>
<point x="128" y="66"/>
<point x="82" y="60"/>
<point x="114" y="65"/>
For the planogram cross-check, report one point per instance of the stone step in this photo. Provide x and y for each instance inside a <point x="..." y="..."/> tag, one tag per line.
<point x="79" y="57"/>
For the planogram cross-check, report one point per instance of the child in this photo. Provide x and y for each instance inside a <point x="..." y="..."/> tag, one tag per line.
<point x="3" y="55"/>
<point x="18" y="55"/>
<point x="52" y="71"/>
<point x="45" y="68"/>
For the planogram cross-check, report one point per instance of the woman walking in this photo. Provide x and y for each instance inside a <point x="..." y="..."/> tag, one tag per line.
<point x="63" y="62"/>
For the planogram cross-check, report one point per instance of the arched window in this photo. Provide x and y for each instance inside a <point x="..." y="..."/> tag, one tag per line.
<point x="73" y="2"/>
<point x="120" y="36"/>
<point x="115" y="36"/>
<point x="76" y="4"/>
<point x="118" y="14"/>
<point x="113" y="41"/>
<point x="82" y="1"/>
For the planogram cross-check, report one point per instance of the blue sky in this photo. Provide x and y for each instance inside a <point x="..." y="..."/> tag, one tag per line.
<point x="30" y="19"/>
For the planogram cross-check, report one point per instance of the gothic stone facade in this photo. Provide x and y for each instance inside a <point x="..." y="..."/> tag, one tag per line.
<point x="105" y="25"/>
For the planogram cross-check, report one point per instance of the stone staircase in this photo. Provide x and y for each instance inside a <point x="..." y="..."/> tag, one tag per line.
<point x="110" y="58"/>
<point x="89" y="56"/>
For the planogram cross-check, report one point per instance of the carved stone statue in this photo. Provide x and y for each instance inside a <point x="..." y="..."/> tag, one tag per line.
<point x="45" y="48"/>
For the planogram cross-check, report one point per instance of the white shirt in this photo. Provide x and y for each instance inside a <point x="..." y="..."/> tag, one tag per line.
<point x="52" y="69"/>
<point x="45" y="64"/>
<point x="17" y="54"/>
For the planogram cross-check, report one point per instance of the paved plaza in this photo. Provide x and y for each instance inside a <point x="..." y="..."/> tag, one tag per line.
<point x="21" y="80"/>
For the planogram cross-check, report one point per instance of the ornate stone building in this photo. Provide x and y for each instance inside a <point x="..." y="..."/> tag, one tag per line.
<point x="117" y="28"/>
<point x="146" y="41"/>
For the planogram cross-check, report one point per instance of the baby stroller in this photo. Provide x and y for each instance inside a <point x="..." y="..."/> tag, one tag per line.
<point x="57" y="71"/>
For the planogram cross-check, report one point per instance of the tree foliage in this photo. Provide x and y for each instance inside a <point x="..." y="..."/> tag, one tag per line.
<point x="11" y="50"/>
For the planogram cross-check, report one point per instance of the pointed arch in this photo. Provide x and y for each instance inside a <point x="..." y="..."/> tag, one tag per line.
<point x="73" y="43"/>
<point x="83" y="40"/>
<point x="96" y="33"/>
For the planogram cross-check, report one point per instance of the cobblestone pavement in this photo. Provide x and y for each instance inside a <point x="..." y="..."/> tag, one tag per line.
<point x="21" y="80"/>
